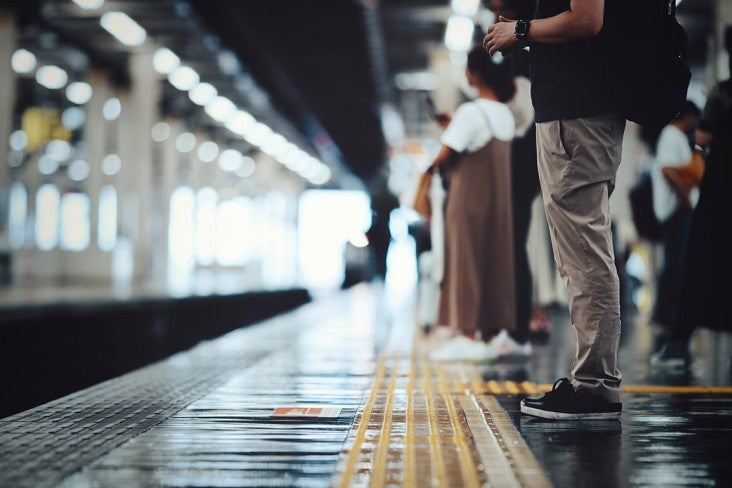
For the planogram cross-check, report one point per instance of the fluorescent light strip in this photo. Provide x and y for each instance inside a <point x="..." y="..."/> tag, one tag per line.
<point x="121" y="26"/>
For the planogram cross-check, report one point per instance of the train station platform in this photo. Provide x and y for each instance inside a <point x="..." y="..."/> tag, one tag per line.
<point x="340" y="392"/>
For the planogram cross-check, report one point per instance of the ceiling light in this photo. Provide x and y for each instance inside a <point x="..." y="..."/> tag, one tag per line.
<point x="274" y="145"/>
<point x="47" y="165"/>
<point x="18" y="140"/>
<point x="165" y="61"/>
<point x="208" y="152"/>
<point x="258" y="134"/>
<point x="78" y="170"/>
<point x="73" y="118"/>
<point x="111" y="164"/>
<point x="221" y="109"/>
<point x="230" y="160"/>
<point x="185" y="142"/>
<point x="247" y="167"/>
<point x="459" y="33"/>
<point x="160" y="132"/>
<point x="241" y="122"/>
<point x="52" y="77"/>
<point x="183" y="78"/>
<point x="465" y="7"/>
<point x="23" y="61"/>
<point x="89" y="4"/>
<point x="58" y="150"/>
<point x="111" y="109"/>
<point x="79" y="92"/>
<point x="202" y="93"/>
<point x="121" y="26"/>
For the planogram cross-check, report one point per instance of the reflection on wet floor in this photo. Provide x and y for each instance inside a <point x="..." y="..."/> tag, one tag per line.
<point x="204" y="417"/>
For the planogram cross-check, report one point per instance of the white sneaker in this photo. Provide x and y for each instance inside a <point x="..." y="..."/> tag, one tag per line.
<point x="506" y="347"/>
<point x="463" y="349"/>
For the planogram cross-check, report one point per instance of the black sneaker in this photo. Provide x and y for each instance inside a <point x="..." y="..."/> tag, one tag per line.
<point x="671" y="355"/>
<point x="566" y="403"/>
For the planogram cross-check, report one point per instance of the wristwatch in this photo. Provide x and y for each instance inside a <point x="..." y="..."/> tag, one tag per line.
<point x="522" y="31"/>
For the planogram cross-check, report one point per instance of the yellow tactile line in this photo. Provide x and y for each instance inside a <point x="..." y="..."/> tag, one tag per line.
<point x="438" y="462"/>
<point x="409" y="476"/>
<point x="358" y="440"/>
<point x="378" y="475"/>
<point x="467" y="466"/>
<point x="493" y="387"/>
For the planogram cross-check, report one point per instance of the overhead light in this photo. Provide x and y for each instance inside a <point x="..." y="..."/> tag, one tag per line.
<point x="111" y="164"/>
<point x="241" y="123"/>
<point x="459" y="33"/>
<point x="465" y="7"/>
<point x="185" y="142"/>
<point x="59" y="150"/>
<point x="52" y="77"/>
<point x="160" y="132"/>
<point x="73" y="118"/>
<point x="18" y="140"/>
<point x="208" y="151"/>
<point x="231" y="160"/>
<point x="121" y="26"/>
<point x="202" y="93"/>
<point x="221" y="109"/>
<point x="47" y="165"/>
<point x="258" y="134"/>
<point x="111" y="109"/>
<point x="183" y="78"/>
<point x="165" y="61"/>
<point x="79" y="92"/>
<point x="23" y="61"/>
<point x="78" y="170"/>
<point x="247" y="167"/>
<point x="89" y="4"/>
<point x="274" y="145"/>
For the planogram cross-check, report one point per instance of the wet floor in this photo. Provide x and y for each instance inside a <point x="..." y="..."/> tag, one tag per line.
<point x="367" y="408"/>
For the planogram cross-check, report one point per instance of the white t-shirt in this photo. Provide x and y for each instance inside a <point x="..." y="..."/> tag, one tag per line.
<point x="469" y="130"/>
<point x="672" y="149"/>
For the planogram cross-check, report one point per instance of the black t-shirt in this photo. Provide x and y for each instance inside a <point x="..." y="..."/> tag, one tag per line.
<point x="567" y="80"/>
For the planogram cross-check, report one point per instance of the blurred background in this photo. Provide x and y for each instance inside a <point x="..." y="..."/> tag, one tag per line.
<point x="184" y="148"/>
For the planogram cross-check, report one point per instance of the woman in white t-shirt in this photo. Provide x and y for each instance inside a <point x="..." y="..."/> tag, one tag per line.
<point x="477" y="297"/>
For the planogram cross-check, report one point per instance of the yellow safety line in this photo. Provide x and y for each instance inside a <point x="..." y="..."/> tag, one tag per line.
<point x="355" y="451"/>
<point x="529" y="387"/>
<point x="438" y="464"/>
<point x="511" y="387"/>
<point x="494" y="387"/>
<point x="409" y="477"/>
<point x="467" y="466"/>
<point x="378" y="476"/>
<point x="723" y="390"/>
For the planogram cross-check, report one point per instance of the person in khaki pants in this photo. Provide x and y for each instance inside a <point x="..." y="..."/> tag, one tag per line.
<point x="579" y="143"/>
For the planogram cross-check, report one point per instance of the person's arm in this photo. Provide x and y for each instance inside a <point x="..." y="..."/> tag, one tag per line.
<point x="702" y="138"/>
<point x="583" y="20"/>
<point x="443" y="158"/>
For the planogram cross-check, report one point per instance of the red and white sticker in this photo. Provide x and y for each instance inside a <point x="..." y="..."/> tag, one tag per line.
<point x="329" y="412"/>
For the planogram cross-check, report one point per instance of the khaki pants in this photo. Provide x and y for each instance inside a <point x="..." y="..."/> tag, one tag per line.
<point x="578" y="160"/>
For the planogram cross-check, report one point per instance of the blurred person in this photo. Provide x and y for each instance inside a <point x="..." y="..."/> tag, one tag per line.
<point x="477" y="297"/>
<point x="673" y="211"/>
<point x="531" y="316"/>
<point x="579" y="144"/>
<point x="705" y="286"/>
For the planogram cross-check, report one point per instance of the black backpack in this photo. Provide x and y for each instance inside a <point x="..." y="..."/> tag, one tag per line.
<point x="641" y="208"/>
<point x="645" y="51"/>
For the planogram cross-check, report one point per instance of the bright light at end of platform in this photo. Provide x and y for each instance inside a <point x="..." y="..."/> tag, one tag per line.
<point x="89" y="4"/>
<point x="202" y="93"/>
<point x="466" y="7"/>
<point x="183" y="78"/>
<point x="126" y="30"/>
<point x="359" y="240"/>
<point x="459" y="33"/>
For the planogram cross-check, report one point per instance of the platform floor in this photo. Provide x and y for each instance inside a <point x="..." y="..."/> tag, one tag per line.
<point x="204" y="417"/>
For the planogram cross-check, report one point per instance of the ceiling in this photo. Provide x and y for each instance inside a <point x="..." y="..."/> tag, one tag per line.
<point x="326" y="66"/>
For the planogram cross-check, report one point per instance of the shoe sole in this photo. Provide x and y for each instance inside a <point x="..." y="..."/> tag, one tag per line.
<point x="546" y="414"/>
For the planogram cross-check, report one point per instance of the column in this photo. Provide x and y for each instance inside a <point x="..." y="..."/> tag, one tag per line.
<point x="8" y="44"/>
<point x="139" y="113"/>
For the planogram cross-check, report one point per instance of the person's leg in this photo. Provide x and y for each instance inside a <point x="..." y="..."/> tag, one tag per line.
<point x="578" y="160"/>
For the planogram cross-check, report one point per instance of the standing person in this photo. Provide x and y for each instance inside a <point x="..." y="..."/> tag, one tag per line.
<point x="579" y="144"/>
<point x="673" y="211"/>
<point x="706" y="289"/>
<point x="524" y="175"/>
<point x="477" y="298"/>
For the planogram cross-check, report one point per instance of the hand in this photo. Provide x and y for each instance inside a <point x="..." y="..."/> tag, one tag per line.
<point x="500" y="36"/>
<point x="443" y="119"/>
